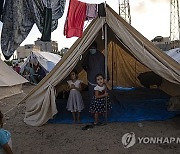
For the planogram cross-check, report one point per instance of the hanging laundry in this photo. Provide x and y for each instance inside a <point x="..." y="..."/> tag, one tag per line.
<point x="17" y="23"/>
<point x="1" y="7"/>
<point x="75" y="19"/>
<point x="38" y="11"/>
<point x="91" y="11"/>
<point x="57" y="8"/>
<point x="18" y="18"/>
<point x="101" y="10"/>
<point x="46" y="34"/>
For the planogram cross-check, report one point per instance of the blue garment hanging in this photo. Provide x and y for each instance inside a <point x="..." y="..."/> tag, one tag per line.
<point x="18" y="19"/>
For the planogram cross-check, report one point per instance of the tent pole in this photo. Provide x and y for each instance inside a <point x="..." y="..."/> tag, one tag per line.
<point x="112" y="64"/>
<point x="106" y="59"/>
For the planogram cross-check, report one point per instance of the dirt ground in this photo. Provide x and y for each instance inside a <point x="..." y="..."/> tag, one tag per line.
<point x="69" y="138"/>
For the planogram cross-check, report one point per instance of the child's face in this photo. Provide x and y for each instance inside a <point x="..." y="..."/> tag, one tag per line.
<point x="100" y="80"/>
<point x="72" y="76"/>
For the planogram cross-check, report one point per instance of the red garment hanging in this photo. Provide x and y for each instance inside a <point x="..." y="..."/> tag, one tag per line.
<point x="75" y="19"/>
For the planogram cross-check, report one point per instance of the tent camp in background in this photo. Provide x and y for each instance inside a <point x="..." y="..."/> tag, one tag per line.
<point x="129" y="54"/>
<point x="10" y="81"/>
<point x="174" y="53"/>
<point x="46" y="59"/>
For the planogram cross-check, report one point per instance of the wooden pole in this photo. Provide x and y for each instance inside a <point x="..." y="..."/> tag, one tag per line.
<point x="106" y="60"/>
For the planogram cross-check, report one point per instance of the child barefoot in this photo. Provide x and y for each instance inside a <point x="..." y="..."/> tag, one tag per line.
<point x="5" y="139"/>
<point x="75" y="101"/>
<point x="98" y="104"/>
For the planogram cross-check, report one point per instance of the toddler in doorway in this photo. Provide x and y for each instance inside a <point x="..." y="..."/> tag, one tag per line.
<point x="98" y="103"/>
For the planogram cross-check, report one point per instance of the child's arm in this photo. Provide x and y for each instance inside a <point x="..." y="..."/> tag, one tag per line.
<point x="107" y="85"/>
<point x="68" y="88"/>
<point x="7" y="148"/>
<point x="80" y="87"/>
<point x="100" y="96"/>
<point x="73" y="87"/>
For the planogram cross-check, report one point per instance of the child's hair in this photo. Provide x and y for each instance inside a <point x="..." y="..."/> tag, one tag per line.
<point x="99" y="74"/>
<point x="76" y="73"/>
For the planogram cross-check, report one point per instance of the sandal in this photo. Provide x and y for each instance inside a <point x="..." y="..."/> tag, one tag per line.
<point x="87" y="127"/>
<point x="99" y="124"/>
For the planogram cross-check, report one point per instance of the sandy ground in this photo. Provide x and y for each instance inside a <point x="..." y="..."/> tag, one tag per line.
<point x="69" y="138"/>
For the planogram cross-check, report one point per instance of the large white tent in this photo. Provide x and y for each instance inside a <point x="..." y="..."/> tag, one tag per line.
<point x="130" y="52"/>
<point x="46" y="59"/>
<point x="175" y="54"/>
<point x="10" y="81"/>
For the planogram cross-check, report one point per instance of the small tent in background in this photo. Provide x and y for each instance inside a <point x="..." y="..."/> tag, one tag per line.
<point x="129" y="54"/>
<point x="174" y="53"/>
<point x="46" y="59"/>
<point x="10" y="81"/>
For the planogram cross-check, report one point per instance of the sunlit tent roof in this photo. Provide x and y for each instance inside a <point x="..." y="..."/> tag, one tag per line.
<point x="10" y="81"/>
<point x="46" y="59"/>
<point x="175" y="54"/>
<point x="129" y="54"/>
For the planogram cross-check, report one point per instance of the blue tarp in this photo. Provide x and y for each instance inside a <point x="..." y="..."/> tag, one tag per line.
<point x="128" y="105"/>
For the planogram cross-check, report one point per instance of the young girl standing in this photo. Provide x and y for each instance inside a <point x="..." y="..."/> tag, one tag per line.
<point x="5" y="138"/>
<point x="98" y="103"/>
<point x="75" y="101"/>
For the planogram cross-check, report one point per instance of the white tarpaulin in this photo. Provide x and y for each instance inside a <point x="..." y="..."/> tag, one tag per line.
<point x="174" y="53"/>
<point x="46" y="59"/>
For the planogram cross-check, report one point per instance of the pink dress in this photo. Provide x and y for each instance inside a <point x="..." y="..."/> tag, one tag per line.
<point x="75" y="101"/>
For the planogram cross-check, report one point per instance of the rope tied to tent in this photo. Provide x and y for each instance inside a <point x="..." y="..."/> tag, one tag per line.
<point x="49" y="85"/>
<point x="102" y="29"/>
<point x="92" y="83"/>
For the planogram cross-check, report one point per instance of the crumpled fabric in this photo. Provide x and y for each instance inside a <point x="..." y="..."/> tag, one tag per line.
<point x="18" y="19"/>
<point x="91" y="11"/>
<point x="17" y="23"/>
<point x="46" y="34"/>
<point x="57" y="8"/>
<point x="1" y="7"/>
<point x="75" y="19"/>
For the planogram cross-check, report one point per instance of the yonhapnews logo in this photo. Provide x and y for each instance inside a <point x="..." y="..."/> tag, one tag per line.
<point x="129" y="139"/>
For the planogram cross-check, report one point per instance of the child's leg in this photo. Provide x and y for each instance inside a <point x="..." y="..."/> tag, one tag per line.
<point x="74" y="116"/>
<point x="96" y="117"/>
<point x="78" y="116"/>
